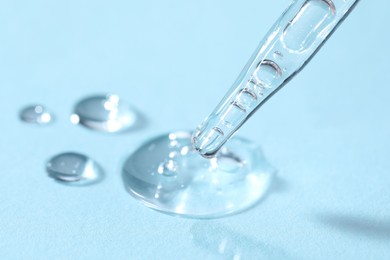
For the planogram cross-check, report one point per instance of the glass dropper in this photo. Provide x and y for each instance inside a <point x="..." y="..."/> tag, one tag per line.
<point x="288" y="46"/>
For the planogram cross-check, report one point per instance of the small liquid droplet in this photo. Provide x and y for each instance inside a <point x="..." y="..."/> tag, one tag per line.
<point x="36" y="114"/>
<point x="74" y="169"/>
<point x="106" y="113"/>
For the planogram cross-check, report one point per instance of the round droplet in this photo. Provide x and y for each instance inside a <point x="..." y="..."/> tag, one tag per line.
<point x="36" y="114"/>
<point x="106" y="113"/>
<point x="192" y="186"/>
<point x="74" y="169"/>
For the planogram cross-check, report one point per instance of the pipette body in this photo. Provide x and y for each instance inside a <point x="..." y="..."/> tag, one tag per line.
<point x="291" y="42"/>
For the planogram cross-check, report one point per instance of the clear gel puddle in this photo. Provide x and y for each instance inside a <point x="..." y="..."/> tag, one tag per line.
<point x="107" y="113"/>
<point x="168" y="175"/>
<point x="36" y="114"/>
<point x="74" y="169"/>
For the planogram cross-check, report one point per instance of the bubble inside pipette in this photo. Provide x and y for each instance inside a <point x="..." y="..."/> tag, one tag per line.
<point x="309" y="24"/>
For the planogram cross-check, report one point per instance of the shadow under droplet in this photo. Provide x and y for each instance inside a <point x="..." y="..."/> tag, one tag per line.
<point x="357" y="225"/>
<point x="222" y="242"/>
<point x="279" y="185"/>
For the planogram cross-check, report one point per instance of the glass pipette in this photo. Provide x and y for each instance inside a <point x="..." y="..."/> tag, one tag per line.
<point x="292" y="41"/>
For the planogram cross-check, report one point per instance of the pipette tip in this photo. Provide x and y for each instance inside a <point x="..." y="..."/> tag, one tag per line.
<point x="207" y="141"/>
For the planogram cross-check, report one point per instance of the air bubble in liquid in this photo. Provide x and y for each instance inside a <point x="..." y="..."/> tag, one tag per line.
<point x="265" y="75"/>
<point x="36" y="114"/>
<point x="74" y="169"/>
<point x="176" y="180"/>
<point x="311" y="22"/>
<point x="106" y="113"/>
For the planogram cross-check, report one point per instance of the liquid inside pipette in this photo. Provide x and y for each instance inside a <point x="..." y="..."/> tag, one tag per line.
<point x="294" y="38"/>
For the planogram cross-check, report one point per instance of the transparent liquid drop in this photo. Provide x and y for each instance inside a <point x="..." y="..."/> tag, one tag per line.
<point x="189" y="185"/>
<point x="36" y="114"/>
<point x="74" y="169"/>
<point x="106" y="113"/>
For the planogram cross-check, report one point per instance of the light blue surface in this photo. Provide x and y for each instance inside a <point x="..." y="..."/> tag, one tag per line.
<point x="327" y="132"/>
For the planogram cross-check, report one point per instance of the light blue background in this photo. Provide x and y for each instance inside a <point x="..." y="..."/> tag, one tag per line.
<point x="327" y="132"/>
